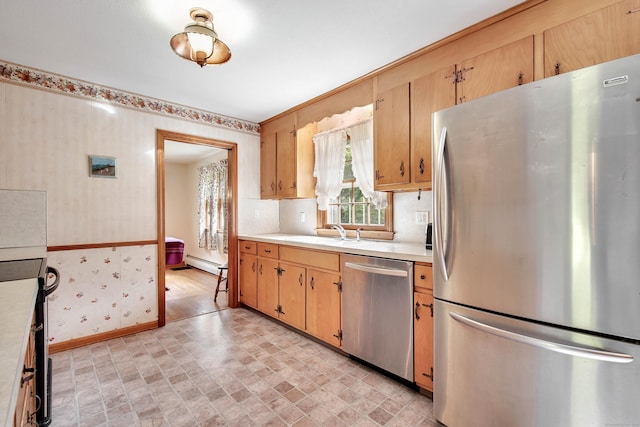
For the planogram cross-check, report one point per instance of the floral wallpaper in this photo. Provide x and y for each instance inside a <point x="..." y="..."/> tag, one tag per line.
<point x="101" y="290"/>
<point x="53" y="82"/>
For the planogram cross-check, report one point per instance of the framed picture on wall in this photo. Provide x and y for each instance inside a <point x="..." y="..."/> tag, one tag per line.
<point x="102" y="167"/>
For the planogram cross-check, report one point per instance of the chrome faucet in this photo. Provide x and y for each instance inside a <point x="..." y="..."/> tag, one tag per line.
<point x="341" y="230"/>
<point x="358" y="234"/>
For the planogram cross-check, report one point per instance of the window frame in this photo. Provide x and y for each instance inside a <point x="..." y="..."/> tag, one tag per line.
<point x="380" y="232"/>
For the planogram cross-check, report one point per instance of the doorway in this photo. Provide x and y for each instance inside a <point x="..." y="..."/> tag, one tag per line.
<point x="164" y="141"/>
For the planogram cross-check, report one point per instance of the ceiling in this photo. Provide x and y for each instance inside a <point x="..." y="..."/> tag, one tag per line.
<point x="285" y="52"/>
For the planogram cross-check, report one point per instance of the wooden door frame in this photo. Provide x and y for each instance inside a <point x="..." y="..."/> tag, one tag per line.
<point x="232" y="158"/>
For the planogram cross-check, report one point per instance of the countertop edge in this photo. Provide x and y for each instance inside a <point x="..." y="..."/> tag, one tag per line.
<point x="405" y="251"/>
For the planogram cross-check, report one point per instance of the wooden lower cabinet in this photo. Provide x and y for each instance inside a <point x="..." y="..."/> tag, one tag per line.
<point x="423" y="325"/>
<point x="292" y="293"/>
<point x="268" y="286"/>
<point x="423" y="340"/>
<point x="324" y="306"/>
<point x="300" y="287"/>
<point x="248" y="279"/>
<point x="25" y="413"/>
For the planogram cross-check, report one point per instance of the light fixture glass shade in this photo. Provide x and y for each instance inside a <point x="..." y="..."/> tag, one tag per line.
<point x="199" y="42"/>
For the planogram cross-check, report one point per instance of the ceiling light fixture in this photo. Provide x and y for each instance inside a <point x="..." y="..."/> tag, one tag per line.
<point x="199" y="43"/>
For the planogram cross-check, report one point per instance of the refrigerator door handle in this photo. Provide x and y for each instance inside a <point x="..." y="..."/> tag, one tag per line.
<point x="589" y="353"/>
<point x="437" y="188"/>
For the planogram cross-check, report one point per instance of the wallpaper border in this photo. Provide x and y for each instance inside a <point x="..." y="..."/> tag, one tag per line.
<point x="26" y="76"/>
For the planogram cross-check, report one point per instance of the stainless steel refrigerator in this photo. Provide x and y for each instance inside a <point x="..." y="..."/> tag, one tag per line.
<point x="537" y="253"/>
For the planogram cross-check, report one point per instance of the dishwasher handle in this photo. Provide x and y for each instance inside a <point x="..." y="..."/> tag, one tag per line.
<point x="376" y="270"/>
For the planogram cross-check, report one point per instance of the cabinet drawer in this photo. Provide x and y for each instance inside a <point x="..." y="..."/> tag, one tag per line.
<point x="311" y="258"/>
<point x="247" y="247"/>
<point x="268" y="250"/>
<point x="423" y="278"/>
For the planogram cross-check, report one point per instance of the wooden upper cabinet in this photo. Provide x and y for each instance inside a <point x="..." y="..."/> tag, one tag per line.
<point x="391" y="120"/>
<point x="501" y="68"/>
<point x="267" y="165"/>
<point x="601" y="36"/>
<point x="403" y="114"/>
<point x="429" y="94"/>
<point x="285" y="163"/>
<point x="286" y="160"/>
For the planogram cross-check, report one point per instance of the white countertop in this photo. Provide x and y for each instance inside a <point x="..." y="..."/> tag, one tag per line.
<point x="16" y="312"/>
<point x="407" y="251"/>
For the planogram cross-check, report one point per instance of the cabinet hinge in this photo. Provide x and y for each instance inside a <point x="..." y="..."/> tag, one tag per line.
<point x="462" y="74"/>
<point x="339" y="335"/>
<point x="430" y="376"/>
<point x="339" y="285"/>
<point x="279" y="309"/>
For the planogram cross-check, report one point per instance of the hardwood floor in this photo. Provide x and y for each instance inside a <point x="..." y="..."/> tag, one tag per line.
<point x="191" y="293"/>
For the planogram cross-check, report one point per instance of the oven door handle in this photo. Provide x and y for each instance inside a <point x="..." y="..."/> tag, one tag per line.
<point x="52" y="287"/>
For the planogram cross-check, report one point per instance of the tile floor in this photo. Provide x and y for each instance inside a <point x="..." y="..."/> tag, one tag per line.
<point x="228" y="368"/>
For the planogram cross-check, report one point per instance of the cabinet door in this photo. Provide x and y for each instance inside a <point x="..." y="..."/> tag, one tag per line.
<point x="292" y="295"/>
<point x="391" y="121"/>
<point x="323" y="306"/>
<point x="429" y="94"/>
<point x="248" y="279"/>
<point x="605" y="35"/>
<point x="286" y="163"/>
<point x="496" y="70"/>
<point x="423" y="340"/>
<point x="268" y="165"/>
<point x="268" y="286"/>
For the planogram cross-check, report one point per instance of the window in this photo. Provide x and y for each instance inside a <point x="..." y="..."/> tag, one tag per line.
<point x="353" y="210"/>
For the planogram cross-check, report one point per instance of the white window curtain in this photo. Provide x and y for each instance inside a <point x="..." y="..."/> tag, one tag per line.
<point x="361" y="137"/>
<point x="329" y="165"/>
<point x="213" y="207"/>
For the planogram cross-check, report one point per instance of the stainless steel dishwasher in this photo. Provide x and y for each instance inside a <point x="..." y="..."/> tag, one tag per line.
<point x="377" y="312"/>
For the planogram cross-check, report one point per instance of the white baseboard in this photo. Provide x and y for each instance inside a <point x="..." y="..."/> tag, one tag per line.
<point x="202" y="264"/>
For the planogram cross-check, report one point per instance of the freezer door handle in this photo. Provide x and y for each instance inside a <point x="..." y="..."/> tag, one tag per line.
<point x="589" y="353"/>
<point x="376" y="270"/>
<point x="437" y="188"/>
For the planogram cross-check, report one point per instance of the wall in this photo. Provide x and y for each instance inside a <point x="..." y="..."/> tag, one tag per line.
<point x="405" y="206"/>
<point x="45" y="138"/>
<point x="178" y="213"/>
